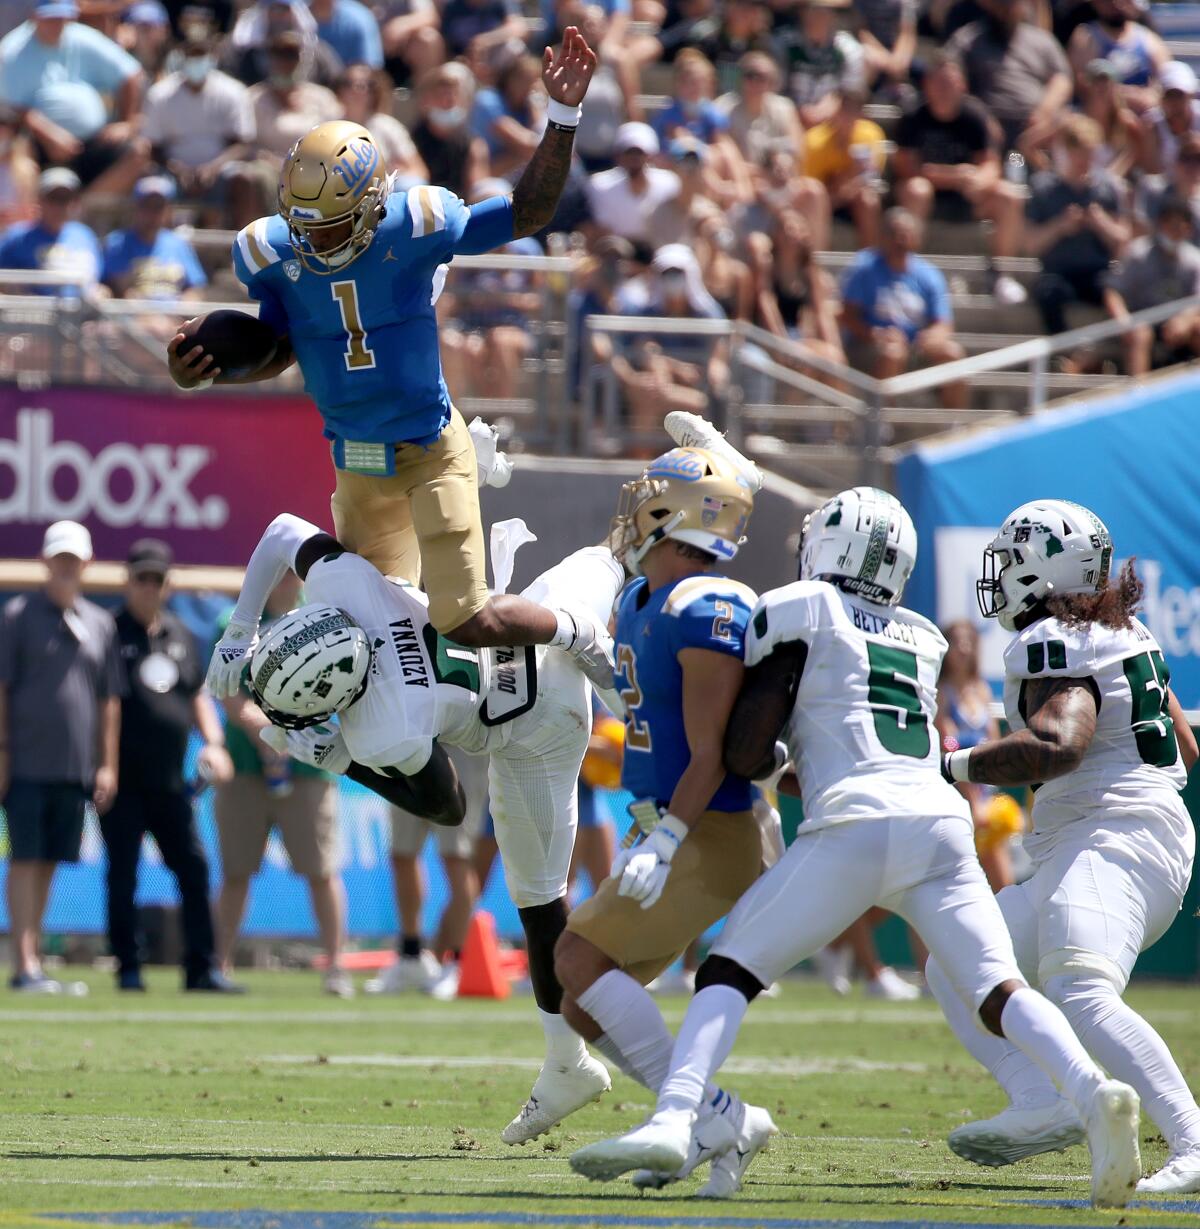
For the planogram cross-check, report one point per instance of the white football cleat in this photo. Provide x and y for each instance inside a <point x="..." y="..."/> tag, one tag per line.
<point x="660" y="1144"/>
<point x="888" y="984"/>
<point x="713" y="1137"/>
<point x="338" y="983"/>
<point x="753" y="1133"/>
<point x="406" y="973"/>
<point x="1014" y="1134"/>
<point x="444" y="987"/>
<point x="692" y="431"/>
<point x="835" y="965"/>
<point x="1112" y="1128"/>
<point x="1179" y="1176"/>
<point x="557" y="1092"/>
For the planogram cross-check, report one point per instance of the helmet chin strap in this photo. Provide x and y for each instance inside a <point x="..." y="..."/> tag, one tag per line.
<point x="636" y="554"/>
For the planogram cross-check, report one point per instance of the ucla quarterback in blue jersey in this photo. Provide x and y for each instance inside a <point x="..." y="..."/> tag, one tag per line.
<point x="347" y="273"/>
<point x="680" y="635"/>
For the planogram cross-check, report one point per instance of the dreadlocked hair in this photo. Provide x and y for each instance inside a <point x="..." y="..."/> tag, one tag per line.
<point x="1114" y="606"/>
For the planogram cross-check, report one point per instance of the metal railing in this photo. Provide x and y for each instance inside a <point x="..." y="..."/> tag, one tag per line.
<point x="825" y="422"/>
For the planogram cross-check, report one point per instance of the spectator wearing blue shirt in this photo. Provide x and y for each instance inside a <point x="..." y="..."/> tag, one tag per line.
<point x="350" y="29"/>
<point x="59" y="74"/>
<point x="55" y="242"/>
<point x="149" y="260"/>
<point x="896" y="306"/>
<point x="693" y="114"/>
<point x="478" y="26"/>
<point x="508" y="118"/>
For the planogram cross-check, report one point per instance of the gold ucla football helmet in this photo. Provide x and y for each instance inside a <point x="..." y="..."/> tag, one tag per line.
<point x="689" y="494"/>
<point x="333" y="180"/>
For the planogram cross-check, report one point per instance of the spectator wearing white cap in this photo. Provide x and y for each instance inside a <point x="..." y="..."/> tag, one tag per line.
<point x="623" y="200"/>
<point x="200" y="125"/>
<point x="151" y="260"/>
<point x="60" y="74"/>
<point x="1176" y="116"/>
<point x="61" y="682"/>
<point x="55" y="241"/>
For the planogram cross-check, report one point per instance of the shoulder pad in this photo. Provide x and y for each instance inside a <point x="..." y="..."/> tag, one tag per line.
<point x="792" y="612"/>
<point x="258" y="246"/>
<point x="698" y="589"/>
<point x="1048" y="648"/>
<point x="430" y="208"/>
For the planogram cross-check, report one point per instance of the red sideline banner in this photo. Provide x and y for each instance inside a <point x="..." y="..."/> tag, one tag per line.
<point x="206" y="473"/>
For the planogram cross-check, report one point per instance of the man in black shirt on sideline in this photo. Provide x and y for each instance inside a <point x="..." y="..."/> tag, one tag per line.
<point x="946" y="165"/>
<point x="163" y="701"/>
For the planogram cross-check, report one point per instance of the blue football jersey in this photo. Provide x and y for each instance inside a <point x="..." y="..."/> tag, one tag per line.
<point x="366" y="338"/>
<point x="698" y="612"/>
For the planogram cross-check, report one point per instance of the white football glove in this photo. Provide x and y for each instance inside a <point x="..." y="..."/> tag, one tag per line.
<point x="230" y="658"/>
<point x="493" y="466"/>
<point x="588" y="642"/>
<point x="645" y="871"/>
<point x="322" y="746"/>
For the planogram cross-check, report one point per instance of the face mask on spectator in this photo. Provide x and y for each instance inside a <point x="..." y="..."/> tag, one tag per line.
<point x="1168" y="245"/>
<point x="196" y="68"/>
<point x="673" y="282"/>
<point x="284" y="81"/>
<point x="448" y="117"/>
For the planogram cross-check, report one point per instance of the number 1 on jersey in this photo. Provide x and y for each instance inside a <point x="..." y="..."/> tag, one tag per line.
<point x="359" y="356"/>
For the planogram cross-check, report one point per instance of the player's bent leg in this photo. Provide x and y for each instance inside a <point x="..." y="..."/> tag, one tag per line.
<point x="372" y="516"/>
<point x="956" y="914"/>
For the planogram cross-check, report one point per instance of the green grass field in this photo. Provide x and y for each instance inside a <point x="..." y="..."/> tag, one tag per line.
<point x="207" y="1111"/>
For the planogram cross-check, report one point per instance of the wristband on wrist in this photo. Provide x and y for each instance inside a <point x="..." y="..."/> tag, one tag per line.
<point x="672" y="826"/>
<point x="560" y="115"/>
<point x="958" y="765"/>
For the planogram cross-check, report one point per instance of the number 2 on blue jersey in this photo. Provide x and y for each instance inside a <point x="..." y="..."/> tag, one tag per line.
<point x="359" y="356"/>
<point x="637" y="733"/>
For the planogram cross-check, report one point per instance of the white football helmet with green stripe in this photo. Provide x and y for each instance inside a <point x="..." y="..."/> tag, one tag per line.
<point x="862" y="540"/>
<point x="1045" y="547"/>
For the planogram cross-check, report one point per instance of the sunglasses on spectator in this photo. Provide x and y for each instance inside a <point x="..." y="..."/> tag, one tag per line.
<point x="157" y="579"/>
<point x="756" y="74"/>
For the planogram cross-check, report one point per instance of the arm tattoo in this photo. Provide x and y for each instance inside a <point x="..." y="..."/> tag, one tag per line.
<point x="763" y="707"/>
<point x="535" y="198"/>
<point x="1060" y="720"/>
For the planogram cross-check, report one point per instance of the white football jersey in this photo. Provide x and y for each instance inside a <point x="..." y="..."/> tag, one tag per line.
<point x="861" y="734"/>
<point x="1134" y="754"/>
<point x="421" y="687"/>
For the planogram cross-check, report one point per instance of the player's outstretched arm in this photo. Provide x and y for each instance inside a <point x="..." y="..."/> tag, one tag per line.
<point x="276" y="552"/>
<point x="1060" y="723"/>
<point x="763" y="707"/>
<point x="435" y="793"/>
<point x="566" y="75"/>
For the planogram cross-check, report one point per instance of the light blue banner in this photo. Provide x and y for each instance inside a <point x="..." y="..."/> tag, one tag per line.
<point x="1133" y="458"/>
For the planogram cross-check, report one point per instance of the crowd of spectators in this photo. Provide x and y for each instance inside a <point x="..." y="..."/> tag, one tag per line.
<point x="724" y="144"/>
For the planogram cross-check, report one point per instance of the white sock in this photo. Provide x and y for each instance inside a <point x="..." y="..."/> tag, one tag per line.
<point x="706" y="1037"/>
<point x="609" y="1048"/>
<point x="1131" y="1050"/>
<point x="1033" y="1024"/>
<point x="1027" y="1085"/>
<point x="563" y="1044"/>
<point x="632" y="1022"/>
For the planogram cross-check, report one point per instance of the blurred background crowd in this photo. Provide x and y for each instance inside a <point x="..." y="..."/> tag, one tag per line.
<point x="779" y="162"/>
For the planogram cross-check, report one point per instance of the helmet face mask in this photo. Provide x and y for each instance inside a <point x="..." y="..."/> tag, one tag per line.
<point x="862" y="541"/>
<point x="332" y="179"/>
<point x="312" y="663"/>
<point x="1044" y="548"/>
<point x="687" y="495"/>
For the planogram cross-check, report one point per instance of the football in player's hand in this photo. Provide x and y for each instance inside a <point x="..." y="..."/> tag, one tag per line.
<point x="240" y="344"/>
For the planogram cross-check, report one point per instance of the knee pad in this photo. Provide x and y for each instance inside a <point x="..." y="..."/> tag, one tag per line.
<point x="1071" y="963"/>
<point x="721" y="971"/>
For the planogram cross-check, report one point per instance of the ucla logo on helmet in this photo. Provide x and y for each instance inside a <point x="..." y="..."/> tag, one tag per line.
<point x="357" y="164"/>
<point x="677" y="463"/>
